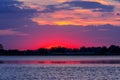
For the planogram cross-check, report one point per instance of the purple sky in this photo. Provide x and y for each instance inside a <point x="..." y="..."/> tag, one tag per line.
<point x="32" y="24"/>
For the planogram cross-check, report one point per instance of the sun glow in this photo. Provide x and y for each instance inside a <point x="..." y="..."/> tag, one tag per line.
<point x="49" y="46"/>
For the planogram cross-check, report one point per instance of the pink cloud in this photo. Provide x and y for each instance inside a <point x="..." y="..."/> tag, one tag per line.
<point x="11" y="32"/>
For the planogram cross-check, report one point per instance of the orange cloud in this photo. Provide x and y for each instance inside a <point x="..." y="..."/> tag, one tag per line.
<point x="77" y="17"/>
<point x="62" y="0"/>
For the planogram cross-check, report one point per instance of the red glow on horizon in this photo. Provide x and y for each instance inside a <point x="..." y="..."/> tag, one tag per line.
<point x="41" y="62"/>
<point x="49" y="46"/>
<point x="49" y="42"/>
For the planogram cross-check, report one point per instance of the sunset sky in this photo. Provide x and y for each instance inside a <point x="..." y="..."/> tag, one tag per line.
<point x="32" y="24"/>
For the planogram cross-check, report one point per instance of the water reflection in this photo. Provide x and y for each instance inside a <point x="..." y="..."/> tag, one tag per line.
<point x="60" y="62"/>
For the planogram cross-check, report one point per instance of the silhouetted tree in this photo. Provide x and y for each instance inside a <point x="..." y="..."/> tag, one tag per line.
<point x="14" y="52"/>
<point x="83" y="49"/>
<point x="114" y="49"/>
<point x="59" y="49"/>
<point x="75" y="50"/>
<point x="104" y="49"/>
<point x="42" y="51"/>
<point x="1" y="46"/>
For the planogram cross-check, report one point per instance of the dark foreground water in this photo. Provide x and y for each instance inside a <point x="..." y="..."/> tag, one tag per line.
<point x="59" y="73"/>
<point x="56" y="68"/>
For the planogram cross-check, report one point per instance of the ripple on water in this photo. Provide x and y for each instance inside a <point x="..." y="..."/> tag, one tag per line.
<point x="59" y="73"/>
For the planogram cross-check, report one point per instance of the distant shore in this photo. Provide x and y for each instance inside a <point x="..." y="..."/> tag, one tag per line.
<point x="62" y="51"/>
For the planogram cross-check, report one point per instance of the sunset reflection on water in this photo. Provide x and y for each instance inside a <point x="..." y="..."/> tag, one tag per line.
<point x="60" y="62"/>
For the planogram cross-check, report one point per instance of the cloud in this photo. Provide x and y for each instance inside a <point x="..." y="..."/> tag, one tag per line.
<point x="103" y="29"/>
<point x="71" y="5"/>
<point x="118" y="0"/>
<point x="11" y="32"/>
<point x="13" y="14"/>
<point x="13" y="6"/>
<point x="118" y="14"/>
<point x="77" y="13"/>
<point x="77" y="17"/>
<point x="23" y="13"/>
<point x="91" y="5"/>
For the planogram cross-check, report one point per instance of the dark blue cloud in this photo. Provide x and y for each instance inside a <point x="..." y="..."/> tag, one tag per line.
<point x="97" y="7"/>
<point x="12" y="16"/>
<point x="11" y="6"/>
<point x="91" y="5"/>
<point x="53" y="8"/>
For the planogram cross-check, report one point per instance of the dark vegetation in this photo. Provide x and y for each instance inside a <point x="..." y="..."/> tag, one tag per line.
<point x="112" y="50"/>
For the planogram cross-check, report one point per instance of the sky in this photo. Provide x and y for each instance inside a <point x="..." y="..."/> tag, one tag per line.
<point x="33" y="24"/>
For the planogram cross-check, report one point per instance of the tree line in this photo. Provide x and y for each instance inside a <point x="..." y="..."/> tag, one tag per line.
<point x="112" y="50"/>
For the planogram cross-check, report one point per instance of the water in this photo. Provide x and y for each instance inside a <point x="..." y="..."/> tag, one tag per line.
<point x="59" y="68"/>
